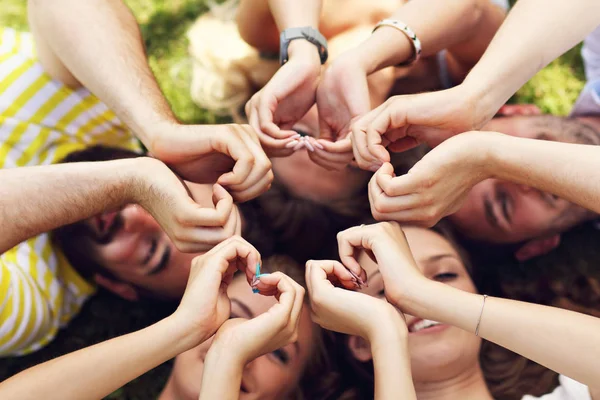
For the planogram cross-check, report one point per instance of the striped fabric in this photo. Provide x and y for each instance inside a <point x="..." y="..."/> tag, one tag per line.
<point x="41" y="121"/>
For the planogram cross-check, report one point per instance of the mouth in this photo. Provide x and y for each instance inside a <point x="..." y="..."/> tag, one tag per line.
<point x="425" y="325"/>
<point x="244" y="388"/>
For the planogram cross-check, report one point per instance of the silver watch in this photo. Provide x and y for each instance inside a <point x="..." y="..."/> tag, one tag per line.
<point x="306" y="32"/>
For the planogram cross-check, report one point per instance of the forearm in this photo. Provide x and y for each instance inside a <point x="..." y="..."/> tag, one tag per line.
<point x="96" y="371"/>
<point x="534" y="33"/>
<point x="391" y="363"/>
<point x="561" y="340"/>
<point x="564" y="169"/>
<point x="38" y="199"/>
<point x="437" y="25"/>
<point x="222" y="376"/>
<point x="100" y="43"/>
<point x="260" y="21"/>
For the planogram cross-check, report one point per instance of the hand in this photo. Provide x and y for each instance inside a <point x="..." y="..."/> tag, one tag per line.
<point x="403" y="122"/>
<point x="342" y="95"/>
<point x="436" y="186"/>
<point x="386" y="244"/>
<point x="193" y="223"/>
<point x="285" y="99"/>
<point x="228" y="154"/>
<point x="249" y="339"/>
<point x="205" y="305"/>
<point x="342" y="310"/>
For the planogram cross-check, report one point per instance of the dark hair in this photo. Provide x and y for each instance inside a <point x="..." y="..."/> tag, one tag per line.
<point x="298" y="227"/>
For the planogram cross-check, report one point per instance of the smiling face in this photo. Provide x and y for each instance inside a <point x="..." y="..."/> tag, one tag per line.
<point x="132" y="247"/>
<point x="271" y="376"/>
<point x="503" y="212"/>
<point x="305" y="179"/>
<point x="437" y="351"/>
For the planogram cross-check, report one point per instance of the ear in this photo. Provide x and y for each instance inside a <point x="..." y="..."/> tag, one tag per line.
<point x="121" y="289"/>
<point x="537" y="247"/>
<point x="360" y="348"/>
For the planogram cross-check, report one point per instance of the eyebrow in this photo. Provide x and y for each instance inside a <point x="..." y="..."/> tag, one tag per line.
<point x="162" y="264"/>
<point x="439" y="257"/>
<point x="244" y="307"/>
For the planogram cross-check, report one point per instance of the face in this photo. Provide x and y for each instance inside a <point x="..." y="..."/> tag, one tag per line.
<point x="271" y="376"/>
<point x="308" y="180"/>
<point x="437" y="351"/>
<point x="132" y="246"/>
<point x="503" y="212"/>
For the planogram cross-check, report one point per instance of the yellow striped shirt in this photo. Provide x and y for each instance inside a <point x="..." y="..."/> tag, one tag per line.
<point x="41" y="121"/>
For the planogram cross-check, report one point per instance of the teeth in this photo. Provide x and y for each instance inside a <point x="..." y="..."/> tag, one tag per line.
<point x="423" y="324"/>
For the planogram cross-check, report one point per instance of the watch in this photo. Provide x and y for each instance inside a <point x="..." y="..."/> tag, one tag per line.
<point x="306" y="32"/>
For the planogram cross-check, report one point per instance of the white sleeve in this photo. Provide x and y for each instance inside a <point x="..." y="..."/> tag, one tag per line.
<point x="568" y="389"/>
<point x="591" y="55"/>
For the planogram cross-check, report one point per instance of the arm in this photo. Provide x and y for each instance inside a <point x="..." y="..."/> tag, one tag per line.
<point x="39" y="199"/>
<point x="562" y="340"/>
<point x="291" y="92"/>
<point x="519" y="49"/>
<point x="98" y="43"/>
<point x="100" y="369"/>
<point x="466" y="25"/>
<point x="391" y="363"/>
<point x="261" y="21"/>
<point x="438" y="184"/>
<point x="105" y="367"/>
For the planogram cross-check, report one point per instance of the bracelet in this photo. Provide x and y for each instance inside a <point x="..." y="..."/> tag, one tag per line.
<point x="414" y="40"/>
<point x="485" y="296"/>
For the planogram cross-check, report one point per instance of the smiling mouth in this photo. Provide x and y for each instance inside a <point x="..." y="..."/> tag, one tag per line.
<point x="107" y="226"/>
<point x="422" y="325"/>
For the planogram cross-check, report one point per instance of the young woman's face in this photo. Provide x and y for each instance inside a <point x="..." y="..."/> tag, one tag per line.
<point x="437" y="351"/>
<point x="271" y="376"/>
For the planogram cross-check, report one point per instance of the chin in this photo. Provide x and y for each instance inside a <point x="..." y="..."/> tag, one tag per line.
<point x="442" y="356"/>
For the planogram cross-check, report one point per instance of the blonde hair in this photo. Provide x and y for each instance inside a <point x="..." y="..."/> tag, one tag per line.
<point x="226" y="71"/>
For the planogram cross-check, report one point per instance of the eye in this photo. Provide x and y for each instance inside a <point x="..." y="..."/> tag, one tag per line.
<point x="301" y="132"/>
<point x="282" y="356"/>
<point x="381" y="293"/>
<point x="445" y="277"/>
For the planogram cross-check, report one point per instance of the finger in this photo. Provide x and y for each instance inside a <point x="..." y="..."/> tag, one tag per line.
<point x="403" y="144"/>
<point x="261" y="164"/>
<point x="266" y="110"/>
<point x="374" y="132"/>
<point x="256" y="190"/>
<point x="330" y="161"/>
<point x="285" y="290"/>
<point x="363" y="157"/>
<point x="409" y="183"/>
<point x="337" y="273"/>
<point x="267" y="141"/>
<point x="348" y="242"/>
<point x="232" y="249"/>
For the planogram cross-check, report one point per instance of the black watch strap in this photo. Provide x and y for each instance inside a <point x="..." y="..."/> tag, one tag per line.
<point x="305" y="32"/>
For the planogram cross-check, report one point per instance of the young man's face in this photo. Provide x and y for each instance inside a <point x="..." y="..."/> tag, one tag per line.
<point x="503" y="212"/>
<point x="131" y="245"/>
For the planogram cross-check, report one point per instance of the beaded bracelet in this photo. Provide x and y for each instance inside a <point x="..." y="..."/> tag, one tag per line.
<point x="402" y="27"/>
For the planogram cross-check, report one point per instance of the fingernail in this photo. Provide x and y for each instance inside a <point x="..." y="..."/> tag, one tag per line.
<point x="299" y="146"/>
<point x="254" y="290"/>
<point x="296" y="136"/>
<point x="318" y="145"/>
<point x="257" y="269"/>
<point x="308" y="145"/>
<point x="291" y="144"/>
<point x="374" y="168"/>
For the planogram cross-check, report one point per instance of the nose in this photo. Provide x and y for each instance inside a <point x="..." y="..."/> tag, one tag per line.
<point x="136" y="219"/>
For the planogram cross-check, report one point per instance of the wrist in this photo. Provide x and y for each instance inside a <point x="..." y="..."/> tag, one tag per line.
<point x="140" y="173"/>
<point x="385" y="47"/>
<point x="390" y="327"/>
<point x="301" y="50"/>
